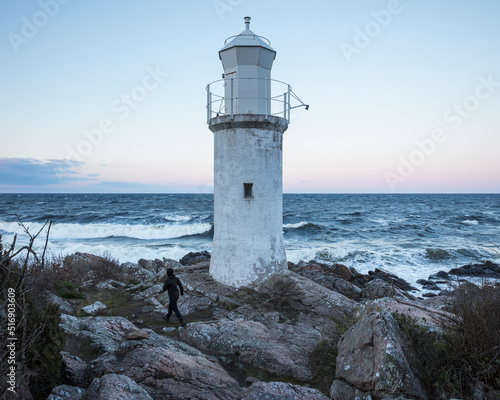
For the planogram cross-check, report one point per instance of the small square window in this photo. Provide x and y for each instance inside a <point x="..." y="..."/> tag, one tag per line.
<point x="248" y="190"/>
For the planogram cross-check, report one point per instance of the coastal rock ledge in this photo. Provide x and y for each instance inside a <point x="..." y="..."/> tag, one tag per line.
<point x="316" y="332"/>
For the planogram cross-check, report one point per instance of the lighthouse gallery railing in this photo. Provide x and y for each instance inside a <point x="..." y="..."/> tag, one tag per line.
<point x="277" y="99"/>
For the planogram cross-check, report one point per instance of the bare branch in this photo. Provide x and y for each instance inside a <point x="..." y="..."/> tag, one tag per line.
<point x="12" y="246"/>
<point x="46" y="243"/>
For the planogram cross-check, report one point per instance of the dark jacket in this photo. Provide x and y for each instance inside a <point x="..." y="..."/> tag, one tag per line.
<point x="171" y="284"/>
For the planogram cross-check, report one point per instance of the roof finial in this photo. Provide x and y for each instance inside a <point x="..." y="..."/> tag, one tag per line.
<point x="247" y="23"/>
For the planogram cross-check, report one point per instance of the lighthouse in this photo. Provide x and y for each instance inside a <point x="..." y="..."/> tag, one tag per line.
<point x="248" y="113"/>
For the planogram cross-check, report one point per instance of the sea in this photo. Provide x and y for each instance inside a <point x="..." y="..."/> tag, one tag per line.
<point x="411" y="235"/>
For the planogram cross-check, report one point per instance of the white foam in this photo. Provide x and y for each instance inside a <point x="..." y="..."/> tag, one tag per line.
<point x="177" y="218"/>
<point x="380" y="221"/>
<point x="95" y="231"/>
<point x="295" y="226"/>
<point x="470" y="222"/>
<point x="317" y="253"/>
<point x="121" y="252"/>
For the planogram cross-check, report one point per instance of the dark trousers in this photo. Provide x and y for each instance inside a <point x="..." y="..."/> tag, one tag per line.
<point x="172" y="307"/>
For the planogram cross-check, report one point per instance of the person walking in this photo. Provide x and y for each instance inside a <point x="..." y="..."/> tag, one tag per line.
<point x="171" y="284"/>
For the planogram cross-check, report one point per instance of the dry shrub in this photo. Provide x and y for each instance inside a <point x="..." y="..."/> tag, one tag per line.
<point x="463" y="360"/>
<point x="79" y="268"/>
<point x="39" y="339"/>
<point x="475" y="335"/>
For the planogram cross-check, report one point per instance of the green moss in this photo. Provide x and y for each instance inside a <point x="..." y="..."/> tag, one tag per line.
<point x="231" y="306"/>
<point x="68" y="290"/>
<point x="133" y="281"/>
<point x="322" y="361"/>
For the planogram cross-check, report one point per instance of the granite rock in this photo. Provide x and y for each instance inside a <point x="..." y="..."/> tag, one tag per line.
<point x="281" y="391"/>
<point x="372" y="358"/>
<point x="66" y="392"/>
<point x="115" y="387"/>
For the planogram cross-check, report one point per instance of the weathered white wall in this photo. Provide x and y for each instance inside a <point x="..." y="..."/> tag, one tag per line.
<point x="248" y="233"/>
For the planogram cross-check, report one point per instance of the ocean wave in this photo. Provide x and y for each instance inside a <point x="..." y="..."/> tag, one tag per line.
<point x="470" y="222"/>
<point x="177" y="218"/>
<point x="95" y="231"/>
<point x="303" y="226"/>
<point x="295" y="226"/>
<point x="122" y="253"/>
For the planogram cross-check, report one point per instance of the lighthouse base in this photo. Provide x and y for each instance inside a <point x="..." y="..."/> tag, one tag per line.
<point x="248" y="244"/>
<point x="242" y="268"/>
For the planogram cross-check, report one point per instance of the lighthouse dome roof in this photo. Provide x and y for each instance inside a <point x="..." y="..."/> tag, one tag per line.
<point x="247" y="38"/>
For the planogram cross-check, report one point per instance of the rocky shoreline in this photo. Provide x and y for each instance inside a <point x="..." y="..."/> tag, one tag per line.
<point x="254" y="343"/>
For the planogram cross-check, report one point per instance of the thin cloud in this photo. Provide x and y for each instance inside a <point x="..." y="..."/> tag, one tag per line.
<point x="33" y="172"/>
<point x="66" y="176"/>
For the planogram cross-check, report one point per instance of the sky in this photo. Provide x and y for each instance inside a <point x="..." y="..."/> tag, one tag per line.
<point x="109" y="96"/>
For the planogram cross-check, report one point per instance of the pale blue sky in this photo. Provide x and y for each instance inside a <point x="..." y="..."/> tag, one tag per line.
<point x="404" y="95"/>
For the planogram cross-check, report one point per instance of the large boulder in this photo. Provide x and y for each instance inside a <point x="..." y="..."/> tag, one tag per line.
<point x="167" y="372"/>
<point x="313" y="269"/>
<point x="428" y="317"/>
<point x="334" y="277"/>
<point x="372" y="359"/>
<point x="93" y="309"/>
<point x="195" y="258"/>
<point x="137" y="271"/>
<point x="103" y="333"/>
<point x="107" y="334"/>
<point x="302" y="294"/>
<point x="392" y="279"/>
<point x="153" y="266"/>
<point x="115" y="387"/>
<point x="280" y="350"/>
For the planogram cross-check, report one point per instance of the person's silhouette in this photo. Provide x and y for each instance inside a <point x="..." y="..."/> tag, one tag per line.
<point x="171" y="284"/>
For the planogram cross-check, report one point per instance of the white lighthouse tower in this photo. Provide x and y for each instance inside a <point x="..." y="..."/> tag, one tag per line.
<point x="248" y="134"/>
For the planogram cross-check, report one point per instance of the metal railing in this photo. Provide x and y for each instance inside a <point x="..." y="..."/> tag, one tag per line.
<point x="224" y="98"/>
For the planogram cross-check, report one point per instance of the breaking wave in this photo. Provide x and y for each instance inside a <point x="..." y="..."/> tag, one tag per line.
<point x="104" y="230"/>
